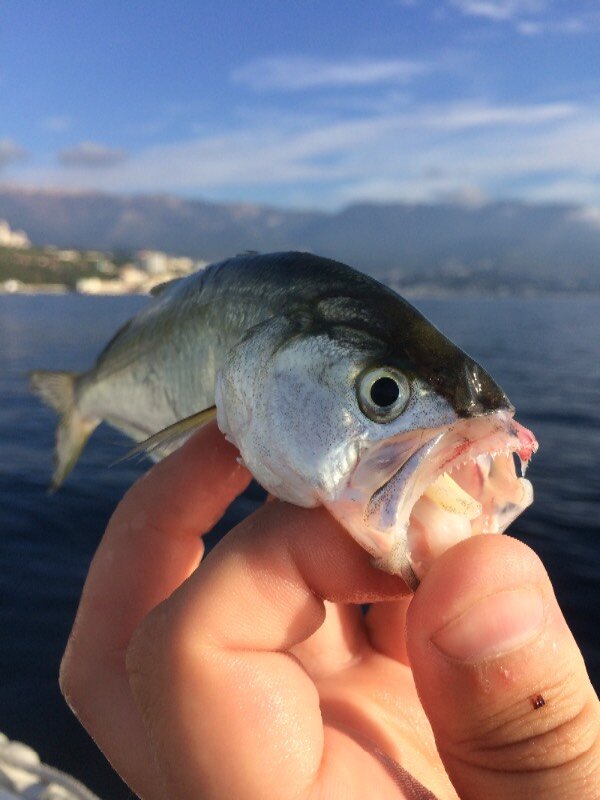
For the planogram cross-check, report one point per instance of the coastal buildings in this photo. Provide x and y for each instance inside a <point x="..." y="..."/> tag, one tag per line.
<point x="27" y="269"/>
<point x="151" y="268"/>
<point x="15" y="239"/>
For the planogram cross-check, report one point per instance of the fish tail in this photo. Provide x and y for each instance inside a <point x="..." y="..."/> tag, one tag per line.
<point x="57" y="390"/>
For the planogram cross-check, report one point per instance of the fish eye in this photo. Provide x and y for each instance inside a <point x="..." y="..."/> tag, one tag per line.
<point x="383" y="393"/>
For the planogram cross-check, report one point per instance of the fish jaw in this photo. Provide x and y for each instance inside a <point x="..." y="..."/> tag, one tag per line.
<point x="412" y="497"/>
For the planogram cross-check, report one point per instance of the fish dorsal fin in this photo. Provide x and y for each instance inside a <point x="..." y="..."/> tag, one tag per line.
<point x="160" y="287"/>
<point x="170" y="438"/>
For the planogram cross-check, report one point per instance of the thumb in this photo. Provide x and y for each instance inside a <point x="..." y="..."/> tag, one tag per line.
<point x="501" y="678"/>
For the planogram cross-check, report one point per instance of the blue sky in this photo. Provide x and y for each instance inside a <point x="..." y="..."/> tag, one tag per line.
<point x="309" y="103"/>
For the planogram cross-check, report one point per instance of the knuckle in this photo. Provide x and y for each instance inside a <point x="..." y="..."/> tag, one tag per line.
<point x="523" y="739"/>
<point x="75" y="677"/>
<point x="67" y="675"/>
<point x="161" y="648"/>
<point x="147" y="645"/>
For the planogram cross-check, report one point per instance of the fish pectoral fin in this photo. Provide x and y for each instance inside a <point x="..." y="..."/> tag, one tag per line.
<point x="170" y="438"/>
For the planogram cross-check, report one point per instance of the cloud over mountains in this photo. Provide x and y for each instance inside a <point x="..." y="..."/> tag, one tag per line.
<point x="534" y="151"/>
<point x="466" y="242"/>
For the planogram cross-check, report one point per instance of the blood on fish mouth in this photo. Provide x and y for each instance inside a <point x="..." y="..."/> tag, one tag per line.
<point x="462" y="481"/>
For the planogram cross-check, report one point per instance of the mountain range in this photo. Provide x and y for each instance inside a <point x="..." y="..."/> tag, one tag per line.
<point x="509" y="245"/>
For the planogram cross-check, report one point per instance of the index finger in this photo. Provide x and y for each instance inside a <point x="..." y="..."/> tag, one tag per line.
<point x="152" y="544"/>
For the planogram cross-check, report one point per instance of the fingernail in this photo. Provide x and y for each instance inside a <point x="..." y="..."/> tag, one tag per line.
<point x="493" y="626"/>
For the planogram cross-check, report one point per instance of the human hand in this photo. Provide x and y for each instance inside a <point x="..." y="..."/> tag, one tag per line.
<point x="257" y="676"/>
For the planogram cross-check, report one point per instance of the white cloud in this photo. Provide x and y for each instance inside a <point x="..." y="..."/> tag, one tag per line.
<point x="466" y="197"/>
<point x="584" y="23"/>
<point x="499" y="10"/>
<point x="57" y="123"/>
<point x="464" y="116"/>
<point x="456" y="151"/>
<point x="10" y="152"/>
<point x="300" y="73"/>
<point x="530" y="28"/>
<point x="535" y="17"/>
<point x="91" y="154"/>
<point x="589" y="215"/>
<point x="578" y="189"/>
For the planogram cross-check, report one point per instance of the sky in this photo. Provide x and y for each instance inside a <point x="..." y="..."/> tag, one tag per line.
<point x="304" y="103"/>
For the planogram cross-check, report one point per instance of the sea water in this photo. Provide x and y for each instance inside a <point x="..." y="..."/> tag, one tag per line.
<point x="544" y="352"/>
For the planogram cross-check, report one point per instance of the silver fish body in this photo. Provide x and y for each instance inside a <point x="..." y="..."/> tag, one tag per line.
<point x="336" y="391"/>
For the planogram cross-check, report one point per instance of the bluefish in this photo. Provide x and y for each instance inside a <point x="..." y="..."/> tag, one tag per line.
<point x="335" y="390"/>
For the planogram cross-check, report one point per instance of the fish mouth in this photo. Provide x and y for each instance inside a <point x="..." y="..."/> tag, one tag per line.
<point x="439" y="486"/>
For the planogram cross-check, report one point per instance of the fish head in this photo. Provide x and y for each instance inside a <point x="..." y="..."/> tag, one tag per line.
<point x="405" y="439"/>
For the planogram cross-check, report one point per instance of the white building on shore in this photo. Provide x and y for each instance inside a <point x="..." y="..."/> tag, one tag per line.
<point x="155" y="262"/>
<point x="10" y="238"/>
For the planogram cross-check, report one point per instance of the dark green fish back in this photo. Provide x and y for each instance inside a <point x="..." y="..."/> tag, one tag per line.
<point x="232" y="296"/>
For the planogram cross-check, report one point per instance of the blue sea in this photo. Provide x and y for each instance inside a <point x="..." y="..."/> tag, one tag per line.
<point x="545" y="353"/>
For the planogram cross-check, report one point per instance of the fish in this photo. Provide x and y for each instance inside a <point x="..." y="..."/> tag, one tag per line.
<point x="335" y="390"/>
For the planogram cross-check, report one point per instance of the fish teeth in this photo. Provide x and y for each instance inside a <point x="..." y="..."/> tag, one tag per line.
<point x="448" y="494"/>
<point x="484" y="462"/>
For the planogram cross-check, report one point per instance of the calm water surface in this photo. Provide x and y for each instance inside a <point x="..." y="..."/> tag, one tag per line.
<point x="545" y="353"/>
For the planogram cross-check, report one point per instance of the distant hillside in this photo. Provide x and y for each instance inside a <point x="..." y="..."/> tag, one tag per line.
<point x="507" y="244"/>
